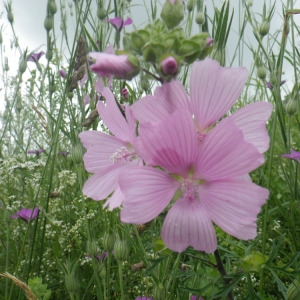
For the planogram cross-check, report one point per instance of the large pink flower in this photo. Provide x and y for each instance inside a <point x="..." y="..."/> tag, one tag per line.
<point x="108" y="155"/>
<point x="204" y="177"/>
<point x="213" y="91"/>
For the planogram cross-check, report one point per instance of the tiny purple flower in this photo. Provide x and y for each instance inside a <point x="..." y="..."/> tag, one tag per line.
<point x="169" y="66"/>
<point x="102" y="257"/>
<point x="36" y="56"/>
<point x="62" y="73"/>
<point x="196" y="298"/>
<point x="37" y="152"/>
<point x="143" y="298"/>
<point x="270" y="86"/>
<point x="119" y="23"/>
<point x="294" y="155"/>
<point x="26" y="215"/>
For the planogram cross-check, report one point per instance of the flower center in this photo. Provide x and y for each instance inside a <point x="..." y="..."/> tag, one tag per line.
<point x="123" y="155"/>
<point x="189" y="189"/>
<point x="200" y="136"/>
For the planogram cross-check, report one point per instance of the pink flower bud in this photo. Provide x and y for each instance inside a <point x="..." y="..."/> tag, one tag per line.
<point x="63" y="73"/>
<point x="125" y="93"/>
<point x="107" y="65"/>
<point x="169" y="66"/>
<point x="209" y="41"/>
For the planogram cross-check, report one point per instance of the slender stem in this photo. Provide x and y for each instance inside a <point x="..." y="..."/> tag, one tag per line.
<point x="121" y="279"/>
<point x="222" y="271"/>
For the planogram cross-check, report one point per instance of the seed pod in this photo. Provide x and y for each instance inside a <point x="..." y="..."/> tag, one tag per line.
<point x="52" y="7"/>
<point x="101" y="13"/>
<point x="159" y="292"/>
<point x="291" y="107"/>
<point x="72" y="283"/>
<point x="23" y="66"/>
<point x="293" y="292"/>
<point x="190" y="5"/>
<point x="77" y="154"/>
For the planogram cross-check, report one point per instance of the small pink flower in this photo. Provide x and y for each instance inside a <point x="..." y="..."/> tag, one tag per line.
<point x="119" y="23"/>
<point x="36" y="56"/>
<point x="37" y="152"/>
<point x="26" y="215"/>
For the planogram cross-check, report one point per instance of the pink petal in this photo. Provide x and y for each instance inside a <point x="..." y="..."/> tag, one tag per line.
<point x="109" y="49"/>
<point x="225" y="154"/>
<point x="188" y="224"/>
<point x="252" y="120"/>
<point x="100" y="148"/>
<point x="127" y="22"/>
<point x="147" y="192"/>
<point x="112" y="116"/>
<point x="172" y="144"/>
<point x="117" y="22"/>
<point x="115" y="200"/>
<point x="86" y="100"/>
<point x="99" y="85"/>
<point x="213" y="90"/>
<point x="234" y="205"/>
<point x="166" y="100"/>
<point x="103" y="183"/>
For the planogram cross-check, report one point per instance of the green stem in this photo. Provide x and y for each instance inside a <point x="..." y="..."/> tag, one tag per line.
<point x="121" y="279"/>
<point x="222" y="271"/>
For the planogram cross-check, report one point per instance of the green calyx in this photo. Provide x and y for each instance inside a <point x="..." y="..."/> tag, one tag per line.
<point x="172" y="14"/>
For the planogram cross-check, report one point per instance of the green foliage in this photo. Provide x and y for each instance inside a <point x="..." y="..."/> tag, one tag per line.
<point x="39" y="289"/>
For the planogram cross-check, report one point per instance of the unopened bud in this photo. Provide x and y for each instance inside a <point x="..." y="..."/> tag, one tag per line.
<point x="91" y="248"/>
<point x="172" y="14"/>
<point x="190" y="5"/>
<point x="52" y="88"/>
<point x="145" y="84"/>
<point x="10" y="17"/>
<point x="264" y="28"/>
<point x="23" y="66"/>
<point x="121" y="250"/>
<point x="125" y="93"/>
<point x="77" y="154"/>
<point x="102" y="273"/>
<point x="101" y="13"/>
<point x="250" y="3"/>
<point x="200" y="18"/>
<point x="48" y="23"/>
<point x="62" y="73"/>
<point x="49" y="54"/>
<point x="108" y="242"/>
<point x="261" y="73"/>
<point x="52" y="7"/>
<point x="291" y="107"/>
<point x="169" y="66"/>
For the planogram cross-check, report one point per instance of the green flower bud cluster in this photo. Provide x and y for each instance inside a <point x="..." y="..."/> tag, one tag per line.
<point x="155" y="41"/>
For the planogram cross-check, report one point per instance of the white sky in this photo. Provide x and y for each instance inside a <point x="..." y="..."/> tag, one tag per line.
<point x="29" y="26"/>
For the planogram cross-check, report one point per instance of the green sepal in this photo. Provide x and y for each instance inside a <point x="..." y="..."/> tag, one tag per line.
<point x="189" y="51"/>
<point x="152" y="51"/>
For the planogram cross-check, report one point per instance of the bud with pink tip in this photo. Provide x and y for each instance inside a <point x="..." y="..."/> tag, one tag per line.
<point x="125" y="93"/>
<point x="62" y="73"/>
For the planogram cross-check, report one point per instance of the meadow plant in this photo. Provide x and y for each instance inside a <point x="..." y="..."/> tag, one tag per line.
<point x="180" y="123"/>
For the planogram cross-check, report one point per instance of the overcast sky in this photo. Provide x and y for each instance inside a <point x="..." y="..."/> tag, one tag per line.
<point x="30" y="14"/>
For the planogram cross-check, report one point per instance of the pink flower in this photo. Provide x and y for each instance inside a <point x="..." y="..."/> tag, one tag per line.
<point x="36" y="56"/>
<point x="213" y="91"/>
<point x="294" y="155"/>
<point x="119" y="23"/>
<point x="108" y="155"/>
<point x="26" y="214"/>
<point x="205" y="163"/>
<point x="107" y="65"/>
<point x="125" y="93"/>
